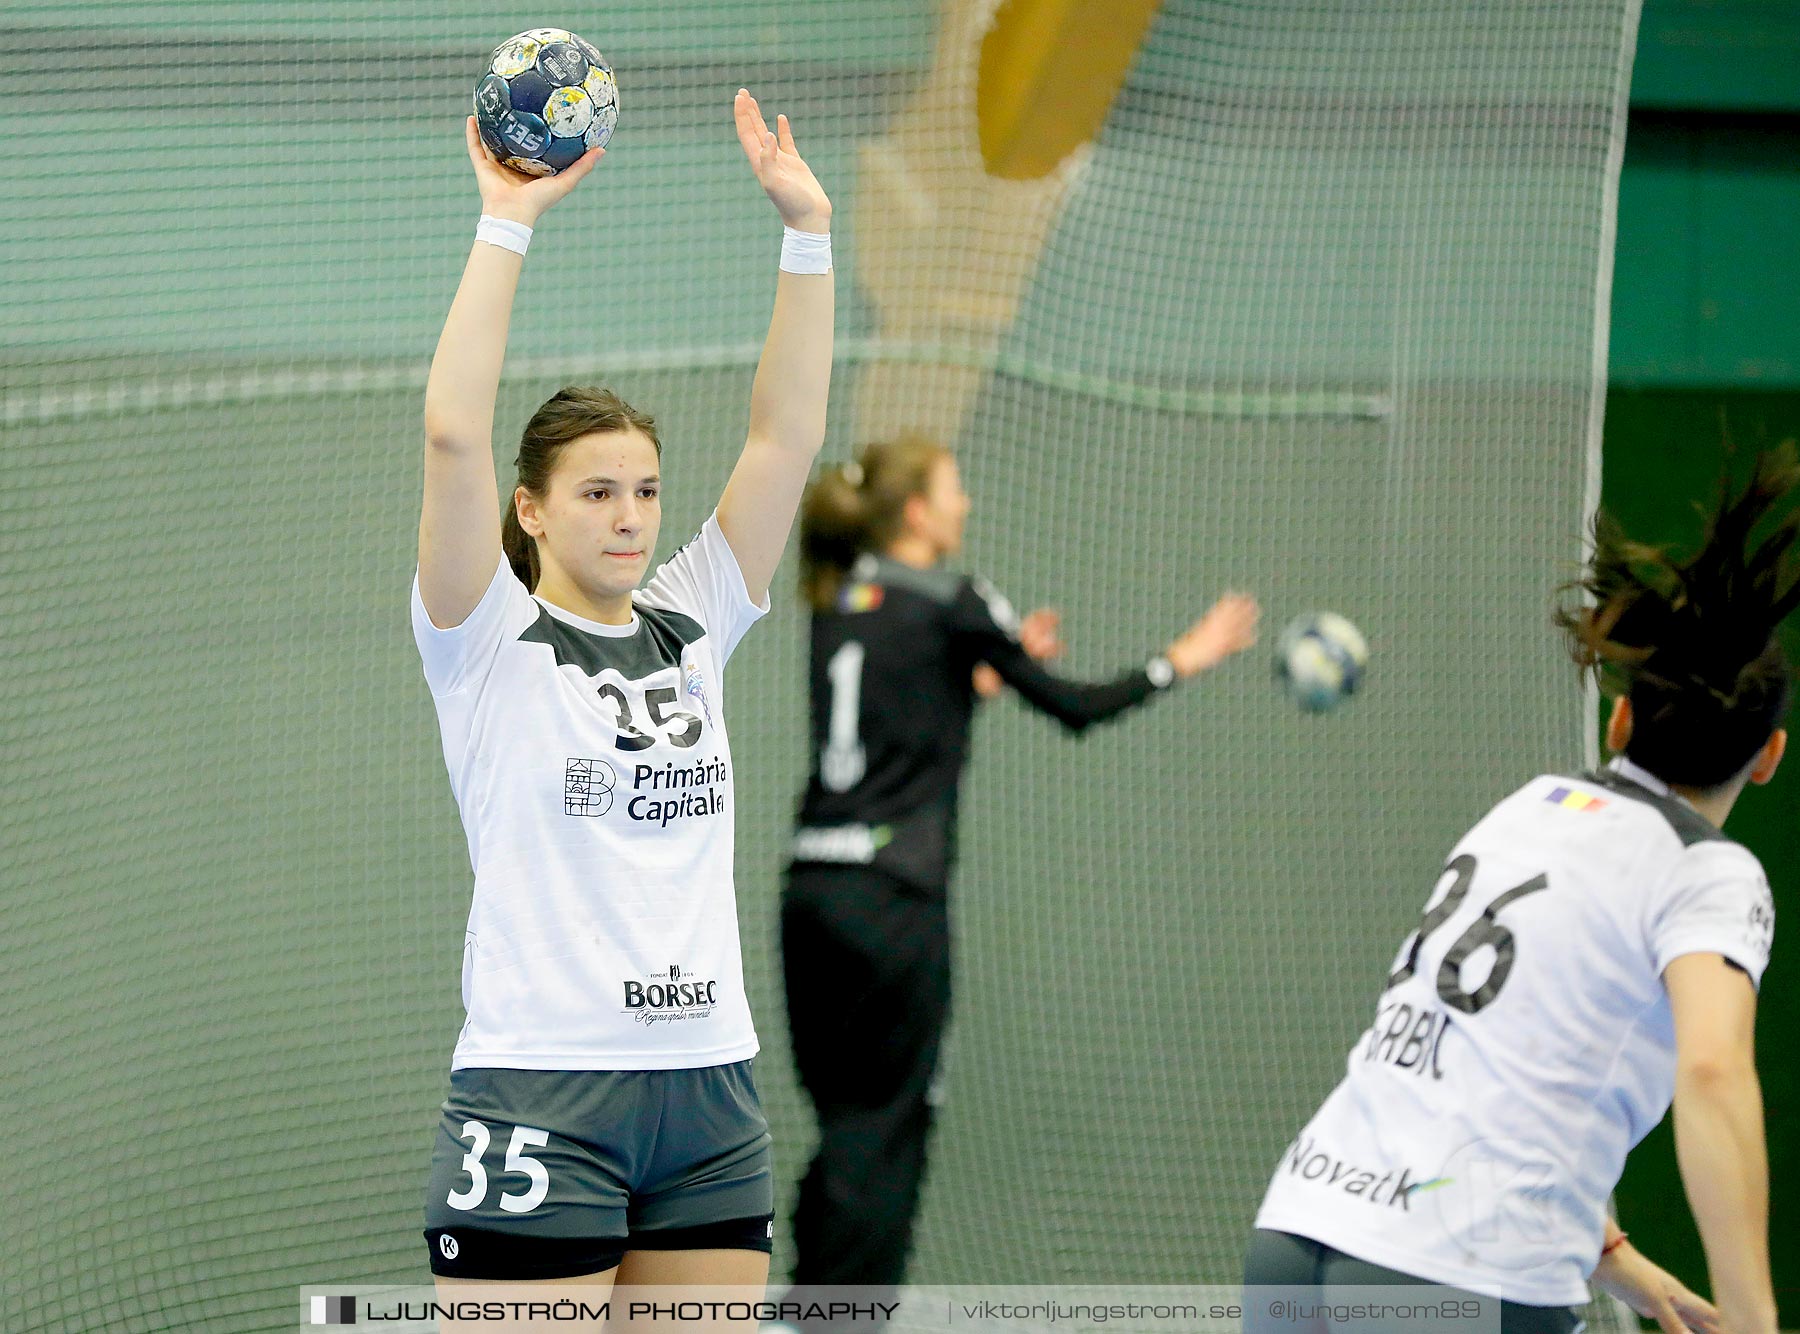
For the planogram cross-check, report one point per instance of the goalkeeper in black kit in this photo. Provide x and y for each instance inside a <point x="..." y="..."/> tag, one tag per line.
<point x="901" y="651"/>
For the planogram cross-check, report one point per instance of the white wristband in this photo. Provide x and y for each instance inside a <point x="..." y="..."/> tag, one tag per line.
<point x="805" y="252"/>
<point x="508" y="235"/>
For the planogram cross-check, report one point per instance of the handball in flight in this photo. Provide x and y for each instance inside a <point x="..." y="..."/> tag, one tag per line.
<point x="1320" y="660"/>
<point x="544" y="99"/>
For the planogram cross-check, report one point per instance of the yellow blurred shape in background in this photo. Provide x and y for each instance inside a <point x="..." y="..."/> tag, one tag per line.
<point x="1048" y="75"/>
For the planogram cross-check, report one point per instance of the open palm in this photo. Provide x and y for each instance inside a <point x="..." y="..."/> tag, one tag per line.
<point x="1228" y="627"/>
<point x="506" y="193"/>
<point x="780" y="170"/>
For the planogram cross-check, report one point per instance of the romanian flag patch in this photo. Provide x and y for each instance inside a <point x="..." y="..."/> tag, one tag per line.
<point x="860" y="597"/>
<point x="1571" y="800"/>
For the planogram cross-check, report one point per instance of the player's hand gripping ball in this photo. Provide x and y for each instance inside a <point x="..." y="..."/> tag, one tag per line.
<point x="546" y="97"/>
<point x="1320" y="660"/>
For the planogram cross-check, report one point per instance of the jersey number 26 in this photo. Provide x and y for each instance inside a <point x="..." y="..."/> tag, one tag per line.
<point x="1484" y="930"/>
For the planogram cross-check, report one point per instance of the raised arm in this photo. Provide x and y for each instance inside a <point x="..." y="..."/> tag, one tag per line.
<point x="1719" y="1133"/>
<point x="1227" y="628"/>
<point x="787" y="400"/>
<point x="459" y="523"/>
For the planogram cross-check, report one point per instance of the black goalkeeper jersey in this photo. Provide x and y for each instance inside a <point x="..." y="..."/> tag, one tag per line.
<point x="892" y="698"/>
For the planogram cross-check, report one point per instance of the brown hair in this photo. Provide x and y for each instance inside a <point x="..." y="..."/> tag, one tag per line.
<point x="569" y="414"/>
<point x="858" y="507"/>
<point x="1693" y="642"/>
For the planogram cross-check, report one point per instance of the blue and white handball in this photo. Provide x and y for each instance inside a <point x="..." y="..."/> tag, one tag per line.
<point x="545" y="98"/>
<point x="1320" y="660"/>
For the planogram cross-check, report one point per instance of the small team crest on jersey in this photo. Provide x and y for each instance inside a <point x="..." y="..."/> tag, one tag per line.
<point x="696" y="688"/>
<point x="860" y="596"/>
<point x="1762" y="920"/>
<point x="1572" y="800"/>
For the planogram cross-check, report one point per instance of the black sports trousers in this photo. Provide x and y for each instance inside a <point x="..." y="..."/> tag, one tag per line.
<point x="866" y="960"/>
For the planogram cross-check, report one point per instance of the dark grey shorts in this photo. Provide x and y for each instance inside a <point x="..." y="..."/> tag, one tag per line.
<point x="1310" y="1274"/>
<point x="554" y="1173"/>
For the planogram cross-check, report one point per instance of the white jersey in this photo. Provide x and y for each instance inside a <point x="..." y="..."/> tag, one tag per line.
<point x="591" y="766"/>
<point x="1525" y="1041"/>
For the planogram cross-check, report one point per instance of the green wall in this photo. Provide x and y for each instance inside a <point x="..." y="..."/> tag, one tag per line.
<point x="1705" y="346"/>
<point x="1706" y="291"/>
<point x="1736" y="55"/>
<point x="1662" y="453"/>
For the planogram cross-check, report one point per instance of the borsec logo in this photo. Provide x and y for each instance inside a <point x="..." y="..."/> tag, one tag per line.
<point x="671" y="997"/>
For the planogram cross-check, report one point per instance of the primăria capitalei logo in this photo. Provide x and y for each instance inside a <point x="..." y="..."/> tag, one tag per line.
<point x="588" y="787"/>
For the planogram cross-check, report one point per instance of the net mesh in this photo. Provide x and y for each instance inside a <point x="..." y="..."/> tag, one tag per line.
<point x="1315" y="315"/>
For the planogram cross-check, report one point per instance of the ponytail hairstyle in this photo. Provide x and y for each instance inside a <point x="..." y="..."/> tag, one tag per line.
<point x="858" y="507"/>
<point x="1692" y="643"/>
<point x="569" y="414"/>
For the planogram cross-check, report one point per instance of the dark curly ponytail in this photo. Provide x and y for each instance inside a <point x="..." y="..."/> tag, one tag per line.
<point x="1693" y="642"/>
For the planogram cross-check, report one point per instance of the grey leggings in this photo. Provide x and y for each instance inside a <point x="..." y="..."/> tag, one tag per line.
<point x="1312" y="1271"/>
